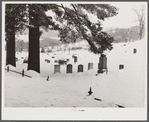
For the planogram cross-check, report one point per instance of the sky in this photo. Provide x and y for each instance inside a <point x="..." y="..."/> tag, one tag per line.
<point x="125" y="18"/>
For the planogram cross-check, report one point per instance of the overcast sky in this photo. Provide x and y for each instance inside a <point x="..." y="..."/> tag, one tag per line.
<point x="125" y="18"/>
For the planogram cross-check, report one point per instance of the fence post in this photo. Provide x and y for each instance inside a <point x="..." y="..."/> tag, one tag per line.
<point x="7" y="68"/>
<point x="23" y="73"/>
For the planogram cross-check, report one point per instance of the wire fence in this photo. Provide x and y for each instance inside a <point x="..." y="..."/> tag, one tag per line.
<point x="21" y="73"/>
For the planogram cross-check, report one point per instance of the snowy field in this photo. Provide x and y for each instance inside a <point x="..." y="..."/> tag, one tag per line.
<point x="124" y="87"/>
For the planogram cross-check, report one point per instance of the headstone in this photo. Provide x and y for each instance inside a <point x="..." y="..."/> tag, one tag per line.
<point x="80" y="68"/>
<point x="55" y="61"/>
<point x="121" y="66"/>
<point x="25" y="61"/>
<point x="48" y="61"/>
<point x="69" y="68"/>
<point x="56" y="68"/>
<point x="102" y="62"/>
<point x="134" y="50"/>
<point x="75" y="59"/>
<point x="90" y="66"/>
<point x="16" y="59"/>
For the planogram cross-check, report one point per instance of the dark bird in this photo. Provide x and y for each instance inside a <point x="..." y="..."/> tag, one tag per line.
<point x="90" y="91"/>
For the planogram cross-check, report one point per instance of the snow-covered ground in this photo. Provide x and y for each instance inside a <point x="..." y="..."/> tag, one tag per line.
<point x="124" y="87"/>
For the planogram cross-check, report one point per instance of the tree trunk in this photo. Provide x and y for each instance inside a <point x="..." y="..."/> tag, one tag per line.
<point x="140" y="33"/>
<point x="10" y="44"/>
<point x="34" y="55"/>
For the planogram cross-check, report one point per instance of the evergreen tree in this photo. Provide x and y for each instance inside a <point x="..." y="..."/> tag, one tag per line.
<point x="14" y="21"/>
<point x="37" y="19"/>
<point x="78" y="24"/>
<point x="74" y="20"/>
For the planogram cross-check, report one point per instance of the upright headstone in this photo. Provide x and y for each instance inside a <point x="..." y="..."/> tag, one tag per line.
<point x="121" y="66"/>
<point x="90" y="66"/>
<point x="16" y="59"/>
<point x="102" y="65"/>
<point x="75" y="59"/>
<point x="55" y="61"/>
<point x="134" y="50"/>
<point x="103" y="62"/>
<point x="69" y="68"/>
<point x="56" y="68"/>
<point x="80" y="68"/>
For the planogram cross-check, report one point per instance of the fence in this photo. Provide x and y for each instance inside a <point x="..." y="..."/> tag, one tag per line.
<point x="22" y="73"/>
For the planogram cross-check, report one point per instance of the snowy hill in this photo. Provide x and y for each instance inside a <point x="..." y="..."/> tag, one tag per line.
<point x="124" y="87"/>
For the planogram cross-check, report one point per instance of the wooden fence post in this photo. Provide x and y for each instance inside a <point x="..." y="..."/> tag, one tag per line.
<point x="7" y="68"/>
<point x="23" y="73"/>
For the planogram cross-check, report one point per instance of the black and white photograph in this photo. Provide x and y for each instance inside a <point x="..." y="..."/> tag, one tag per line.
<point x="74" y="60"/>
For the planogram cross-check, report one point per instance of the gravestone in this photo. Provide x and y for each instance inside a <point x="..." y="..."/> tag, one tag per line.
<point x="134" y="51"/>
<point x="69" y="68"/>
<point x="56" y="68"/>
<point x="102" y="62"/>
<point x="80" y="68"/>
<point x="75" y="59"/>
<point x="102" y="65"/>
<point x="16" y="59"/>
<point x="25" y="61"/>
<point x="46" y="60"/>
<point x="55" y="61"/>
<point x="90" y="66"/>
<point x="121" y="66"/>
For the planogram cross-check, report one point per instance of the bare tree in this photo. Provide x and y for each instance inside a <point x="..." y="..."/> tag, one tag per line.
<point x="140" y="12"/>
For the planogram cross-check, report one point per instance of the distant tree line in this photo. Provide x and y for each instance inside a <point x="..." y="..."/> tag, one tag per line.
<point x="125" y="35"/>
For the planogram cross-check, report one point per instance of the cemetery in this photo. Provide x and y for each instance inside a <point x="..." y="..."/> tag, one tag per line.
<point x="78" y="76"/>
<point x="70" y="55"/>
